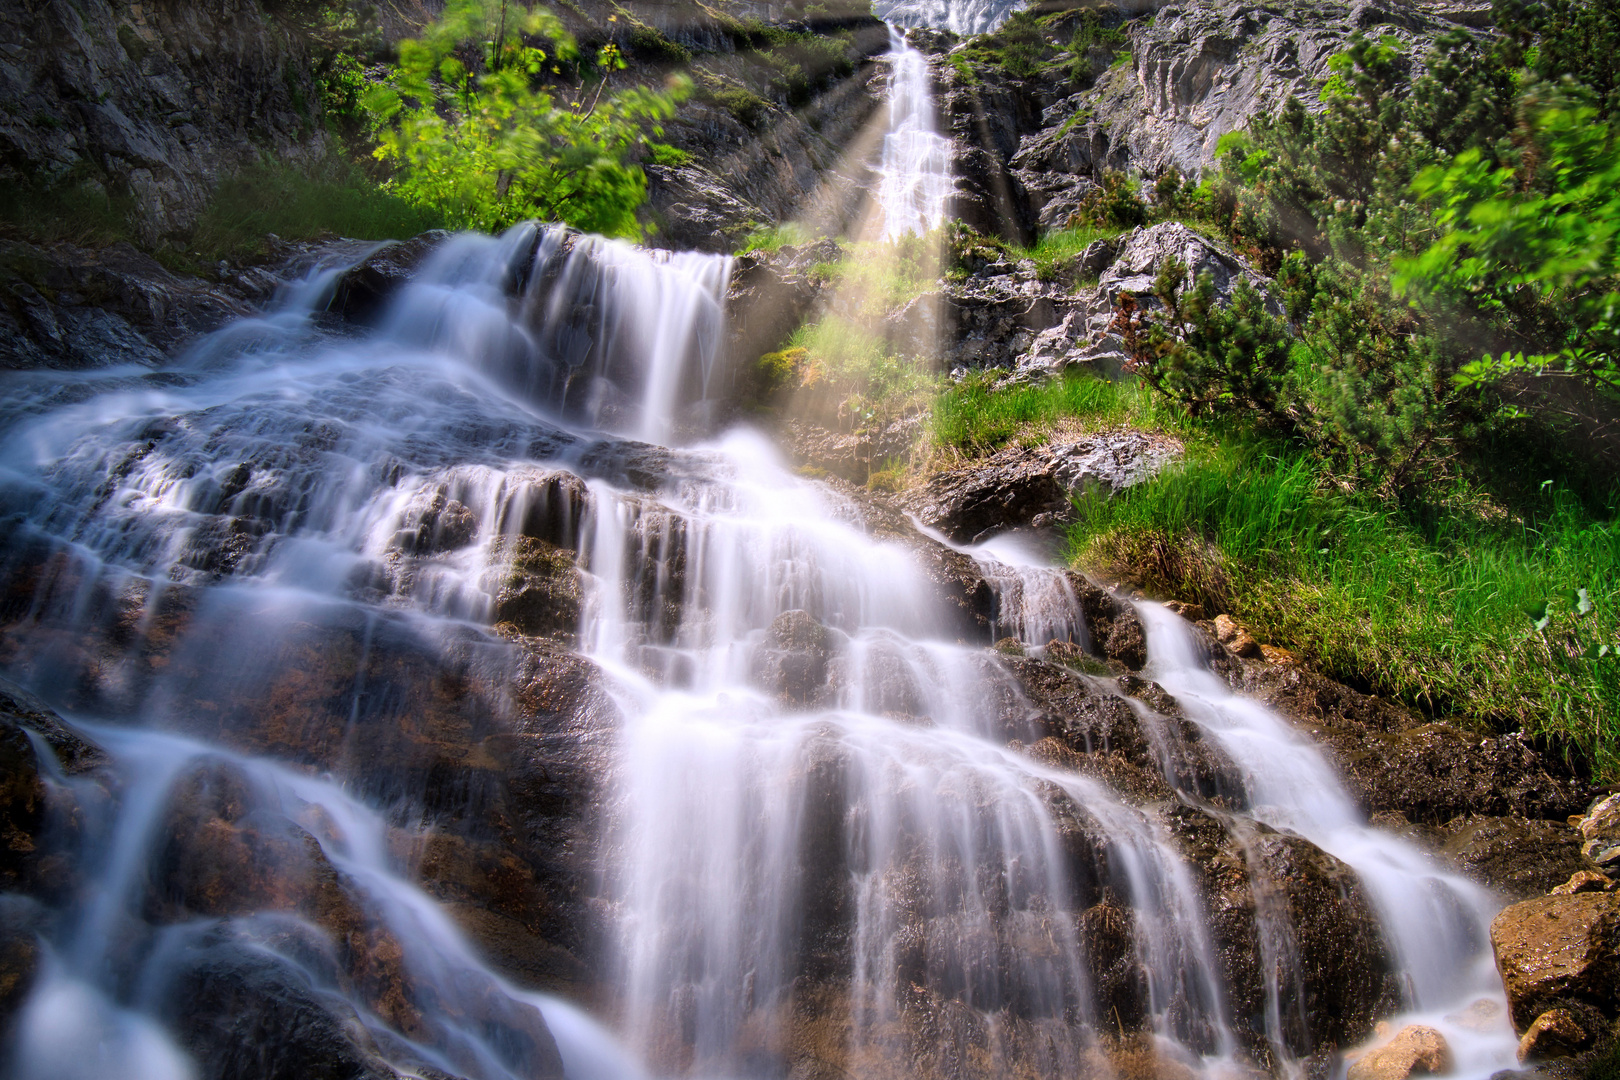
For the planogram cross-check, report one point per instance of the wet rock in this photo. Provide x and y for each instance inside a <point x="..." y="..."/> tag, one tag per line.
<point x="1559" y="951"/>
<point x="1415" y="1051"/>
<point x="21" y="921"/>
<point x="538" y="589"/>
<point x="792" y="661"/>
<point x="32" y="831"/>
<point x="241" y="1013"/>
<point x="1255" y="881"/>
<point x="968" y="598"/>
<point x="1583" y="881"/>
<point x="1016" y="485"/>
<point x="362" y="294"/>
<point x="1555" y="1033"/>
<point x="1517" y="857"/>
<point x="1394" y="760"/>
<point x="1112" y="623"/>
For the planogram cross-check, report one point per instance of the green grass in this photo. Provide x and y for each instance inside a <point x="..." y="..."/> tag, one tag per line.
<point x="1432" y="608"/>
<point x="335" y="199"/>
<point x="1056" y="249"/>
<point x="972" y="418"/>
<point x="854" y="367"/>
<point x="878" y="277"/>
<point x="773" y="238"/>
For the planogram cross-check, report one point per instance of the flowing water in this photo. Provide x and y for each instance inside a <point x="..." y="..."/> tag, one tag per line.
<point x="915" y="171"/>
<point x="819" y="833"/>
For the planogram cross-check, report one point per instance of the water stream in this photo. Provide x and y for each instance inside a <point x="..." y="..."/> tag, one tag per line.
<point x="821" y="836"/>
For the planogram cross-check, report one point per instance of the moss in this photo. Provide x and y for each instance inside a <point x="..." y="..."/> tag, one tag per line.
<point x="649" y="44"/>
<point x="745" y="106"/>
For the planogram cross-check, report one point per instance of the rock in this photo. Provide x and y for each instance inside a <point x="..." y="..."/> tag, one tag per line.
<point x="160" y="101"/>
<point x="792" y="661"/>
<point x="854" y="455"/>
<point x="1518" y="857"/>
<point x="1394" y="760"/>
<point x="1600" y="830"/>
<point x="1112" y="624"/>
<point x="1556" y="951"/>
<point x="362" y="294"/>
<point x="67" y="307"/>
<point x="1346" y="975"/>
<point x="1238" y="640"/>
<point x="1145" y="251"/>
<point x="1555" y="1033"/>
<point x="1482" y="1015"/>
<point x="538" y="589"/>
<point x="27" y="863"/>
<point x="1097" y="257"/>
<point x="1017" y="484"/>
<point x="1583" y="881"/>
<point x="1415" y="1051"/>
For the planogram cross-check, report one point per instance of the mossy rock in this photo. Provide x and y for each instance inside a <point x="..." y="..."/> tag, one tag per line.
<point x="540" y="590"/>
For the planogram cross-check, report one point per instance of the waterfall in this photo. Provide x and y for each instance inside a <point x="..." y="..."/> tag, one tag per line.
<point x="915" y="170"/>
<point x="962" y="17"/>
<point x="307" y="589"/>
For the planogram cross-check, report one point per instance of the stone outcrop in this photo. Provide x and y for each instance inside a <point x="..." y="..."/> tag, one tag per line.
<point x="156" y="101"/>
<point x="1035" y="486"/>
<point x="1414" y="1051"/>
<point x="1560" y="952"/>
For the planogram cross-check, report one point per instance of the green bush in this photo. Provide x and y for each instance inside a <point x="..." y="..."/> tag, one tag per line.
<point x="480" y="140"/>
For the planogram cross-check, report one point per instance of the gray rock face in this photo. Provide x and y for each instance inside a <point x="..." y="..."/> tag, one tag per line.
<point x="1033" y="486"/>
<point x="160" y="99"/>
<point x="1202" y="69"/>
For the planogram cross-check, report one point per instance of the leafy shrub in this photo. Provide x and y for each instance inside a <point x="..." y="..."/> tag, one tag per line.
<point x="478" y="140"/>
<point x="1116" y="203"/>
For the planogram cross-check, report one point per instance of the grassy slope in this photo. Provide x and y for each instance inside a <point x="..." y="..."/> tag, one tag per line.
<point x="1428" y="604"/>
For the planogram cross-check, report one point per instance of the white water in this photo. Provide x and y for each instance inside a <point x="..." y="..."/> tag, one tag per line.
<point x="1436" y="920"/>
<point x="915" y="171"/>
<point x="962" y="17"/>
<point x="816" y="834"/>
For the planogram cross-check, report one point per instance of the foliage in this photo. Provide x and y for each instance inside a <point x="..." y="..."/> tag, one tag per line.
<point x="1032" y="41"/>
<point x="1115" y="203"/>
<point x="980" y="413"/>
<point x="478" y="139"/>
<point x="1056" y="249"/>
<point x="1207" y="356"/>
<point x="841" y="361"/>
<point x="1426" y="606"/>
<point x="773" y="238"/>
<point x="878" y="277"/>
<point x="745" y="106"/>
<point x="1535" y="246"/>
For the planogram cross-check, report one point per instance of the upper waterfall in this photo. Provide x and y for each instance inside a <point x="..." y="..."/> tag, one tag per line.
<point x="915" y="169"/>
<point x="958" y="16"/>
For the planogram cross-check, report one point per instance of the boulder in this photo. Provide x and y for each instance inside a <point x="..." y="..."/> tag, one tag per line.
<point x="1238" y="640"/>
<point x="1396" y="761"/>
<point x="1144" y="252"/>
<point x="1414" y="1051"/>
<point x="1019" y="486"/>
<point x="1555" y="1033"/>
<point x="1600" y="833"/>
<point x="791" y="663"/>
<point x="1556" y="951"/>
<point x="363" y="293"/>
<point x="537" y="587"/>
<point x="1583" y="881"/>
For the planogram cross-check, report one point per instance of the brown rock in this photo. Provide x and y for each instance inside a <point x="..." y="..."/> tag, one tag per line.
<point x="537" y="587"/>
<point x="1555" y="1033"/>
<point x="1583" y="881"/>
<point x="1556" y="950"/>
<point x="1518" y="857"/>
<point x="1237" y="640"/>
<point x="1415" y="1051"/>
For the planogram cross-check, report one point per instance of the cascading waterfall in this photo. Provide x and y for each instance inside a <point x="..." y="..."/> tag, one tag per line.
<point x="825" y="832"/>
<point x="915" y="170"/>
<point x="961" y="17"/>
